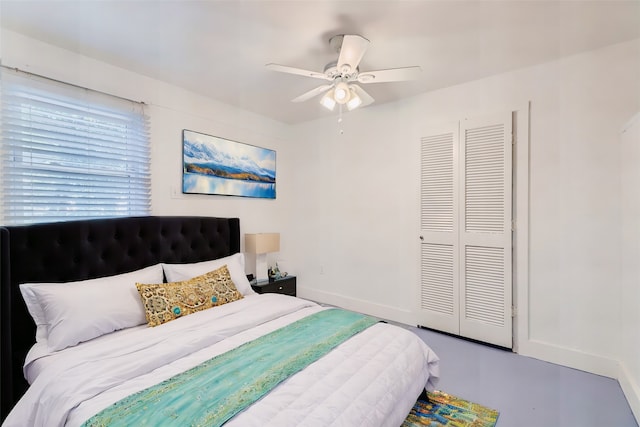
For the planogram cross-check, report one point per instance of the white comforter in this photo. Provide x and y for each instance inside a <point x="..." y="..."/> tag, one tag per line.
<point x="372" y="379"/>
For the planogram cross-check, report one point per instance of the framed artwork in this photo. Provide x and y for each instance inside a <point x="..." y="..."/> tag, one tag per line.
<point x="214" y="165"/>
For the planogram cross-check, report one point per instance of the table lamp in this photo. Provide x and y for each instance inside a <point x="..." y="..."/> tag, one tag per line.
<point x="260" y="244"/>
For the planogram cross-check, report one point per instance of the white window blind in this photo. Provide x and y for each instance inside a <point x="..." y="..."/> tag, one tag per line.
<point x="70" y="153"/>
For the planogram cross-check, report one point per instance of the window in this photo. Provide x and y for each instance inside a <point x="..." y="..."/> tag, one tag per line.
<point x="70" y="153"/>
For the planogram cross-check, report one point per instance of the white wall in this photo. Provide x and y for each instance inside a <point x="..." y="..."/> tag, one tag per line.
<point x="172" y="109"/>
<point x="630" y="254"/>
<point x="361" y="200"/>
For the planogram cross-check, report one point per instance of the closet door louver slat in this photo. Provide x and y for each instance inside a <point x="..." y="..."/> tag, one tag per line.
<point x="484" y="179"/>
<point x="437" y="183"/>
<point x="484" y="290"/>
<point x="437" y="279"/>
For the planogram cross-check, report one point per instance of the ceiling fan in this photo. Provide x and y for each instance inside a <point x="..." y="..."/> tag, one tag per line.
<point x="344" y="73"/>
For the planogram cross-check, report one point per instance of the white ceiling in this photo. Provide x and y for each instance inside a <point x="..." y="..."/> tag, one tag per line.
<point x="219" y="48"/>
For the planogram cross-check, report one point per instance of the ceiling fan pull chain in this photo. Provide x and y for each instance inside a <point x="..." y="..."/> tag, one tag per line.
<point x="340" y="130"/>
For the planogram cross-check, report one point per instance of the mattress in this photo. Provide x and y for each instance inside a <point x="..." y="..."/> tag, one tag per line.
<point x="372" y="379"/>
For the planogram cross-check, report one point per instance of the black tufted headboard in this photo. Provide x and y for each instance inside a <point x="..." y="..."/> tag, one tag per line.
<point x="86" y="249"/>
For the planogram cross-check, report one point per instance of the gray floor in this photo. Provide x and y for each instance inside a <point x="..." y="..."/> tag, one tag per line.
<point x="526" y="391"/>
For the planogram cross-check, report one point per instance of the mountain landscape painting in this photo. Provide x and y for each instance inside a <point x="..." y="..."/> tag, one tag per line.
<point x="213" y="165"/>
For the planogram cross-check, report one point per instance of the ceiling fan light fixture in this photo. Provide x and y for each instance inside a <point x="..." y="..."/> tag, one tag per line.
<point x="342" y="93"/>
<point x="354" y="102"/>
<point x="328" y="101"/>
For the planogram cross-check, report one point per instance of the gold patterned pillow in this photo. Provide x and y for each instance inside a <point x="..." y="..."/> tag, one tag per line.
<point x="164" y="302"/>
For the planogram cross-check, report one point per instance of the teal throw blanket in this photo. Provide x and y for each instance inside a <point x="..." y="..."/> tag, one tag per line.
<point x="214" y="391"/>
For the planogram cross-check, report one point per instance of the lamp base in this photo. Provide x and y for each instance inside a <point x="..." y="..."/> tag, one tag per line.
<point x="262" y="269"/>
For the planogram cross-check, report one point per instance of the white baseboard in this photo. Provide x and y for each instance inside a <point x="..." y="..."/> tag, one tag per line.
<point x="631" y="390"/>
<point x="589" y="363"/>
<point x="569" y="357"/>
<point x="361" y="306"/>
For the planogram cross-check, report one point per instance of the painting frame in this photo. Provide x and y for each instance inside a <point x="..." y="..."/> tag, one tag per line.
<point x="213" y="165"/>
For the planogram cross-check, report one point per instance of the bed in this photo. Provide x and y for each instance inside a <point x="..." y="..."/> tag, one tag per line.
<point x="79" y="370"/>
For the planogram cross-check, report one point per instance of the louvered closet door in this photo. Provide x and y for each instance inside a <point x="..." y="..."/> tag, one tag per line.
<point x="465" y="281"/>
<point x="485" y="234"/>
<point x="439" y="290"/>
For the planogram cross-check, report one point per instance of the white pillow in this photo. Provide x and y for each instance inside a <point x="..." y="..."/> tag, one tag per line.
<point x="234" y="263"/>
<point x="69" y="313"/>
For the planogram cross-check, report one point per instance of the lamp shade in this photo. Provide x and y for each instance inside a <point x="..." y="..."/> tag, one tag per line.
<point x="341" y="93"/>
<point x="355" y="101"/>
<point x="327" y="100"/>
<point x="262" y="243"/>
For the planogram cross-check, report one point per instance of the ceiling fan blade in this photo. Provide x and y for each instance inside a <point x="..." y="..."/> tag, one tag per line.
<point x="311" y="93"/>
<point x="364" y="96"/>
<point x="352" y="51"/>
<point x="298" y="71"/>
<point x="390" y="75"/>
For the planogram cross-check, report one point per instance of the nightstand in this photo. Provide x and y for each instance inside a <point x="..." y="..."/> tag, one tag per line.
<point x="286" y="285"/>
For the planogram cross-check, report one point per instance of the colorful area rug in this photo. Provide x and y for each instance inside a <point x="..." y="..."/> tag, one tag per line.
<point x="450" y="411"/>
